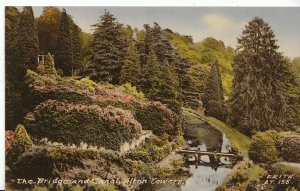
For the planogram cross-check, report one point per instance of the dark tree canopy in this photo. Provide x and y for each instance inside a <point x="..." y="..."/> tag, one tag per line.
<point x="150" y="69"/>
<point x="157" y="40"/>
<point x="47" y="26"/>
<point x="213" y="98"/>
<point x="77" y="45"/>
<point x="131" y="69"/>
<point x="165" y="87"/>
<point x="64" y="53"/>
<point x="108" y="50"/>
<point x="259" y="101"/>
<point x="27" y="39"/>
<point x="14" y="71"/>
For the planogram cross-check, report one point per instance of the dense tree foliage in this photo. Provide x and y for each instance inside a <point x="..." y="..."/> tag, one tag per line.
<point x="165" y="87"/>
<point x="20" y="143"/>
<point x="107" y="49"/>
<point x="265" y="147"/>
<point x="131" y="69"/>
<point x="64" y="52"/>
<point x="77" y="45"/>
<point x="261" y="74"/>
<point x="205" y="53"/>
<point x="13" y="70"/>
<point x="213" y="98"/>
<point x="47" y="25"/>
<point x="157" y="40"/>
<point x="50" y="70"/>
<point x="150" y="69"/>
<point x="296" y="68"/>
<point x="27" y="39"/>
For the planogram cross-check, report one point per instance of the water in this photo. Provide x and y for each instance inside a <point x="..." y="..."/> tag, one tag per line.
<point x="204" y="177"/>
<point x="207" y="178"/>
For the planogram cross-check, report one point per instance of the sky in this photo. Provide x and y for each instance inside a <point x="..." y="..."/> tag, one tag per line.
<point x="222" y="23"/>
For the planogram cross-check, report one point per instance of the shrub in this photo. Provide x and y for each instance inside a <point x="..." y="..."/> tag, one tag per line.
<point x="265" y="147"/>
<point x="139" y="155"/>
<point x="9" y="135"/>
<point x="158" y="118"/>
<point x="239" y="172"/>
<point x="33" y="79"/>
<point x="53" y="161"/>
<point x="21" y="142"/>
<point x="86" y="83"/>
<point x="76" y="123"/>
<point x="41" y="69"/>
<point x="154" y="149"/>
<point x="132" y="91"/>
<point x="139" y="169"/>
<point x="291" y="148"/>
<point x="50" y="70"/>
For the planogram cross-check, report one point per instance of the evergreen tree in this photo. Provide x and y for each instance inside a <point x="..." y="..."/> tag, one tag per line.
<point x="77" y="45"/>
<point x="213" y="98"/>
<point x="149" y="71"/>
<point x="47" y="25"/>
<point x="108" y="50"/>
<point x="50" y="70"/>
<point x="157" y="40"/>
<point x="165" y="87"/>
<point x="259" y="101"/>
<point x="198" y="74"/>
<point x="27" y="39"/>
<point x="131" y="69"/>
<point x="14" y="71"/>
<point x="21" y="142"/>
<point x="64" y="55"/>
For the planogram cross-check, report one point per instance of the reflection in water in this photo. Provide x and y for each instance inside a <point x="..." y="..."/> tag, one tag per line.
<point x="207" y="178"/>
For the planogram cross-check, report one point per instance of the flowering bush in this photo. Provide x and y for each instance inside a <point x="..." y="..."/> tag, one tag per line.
<point x="115" y="96"/>
<point x="157" y="117"/>
<point x="76" y="123"/>
<point x="9" y="135"/>
<point x="291" y="148"/>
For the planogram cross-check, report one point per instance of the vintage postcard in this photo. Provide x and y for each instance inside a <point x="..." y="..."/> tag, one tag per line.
<point x="152" y="98"/>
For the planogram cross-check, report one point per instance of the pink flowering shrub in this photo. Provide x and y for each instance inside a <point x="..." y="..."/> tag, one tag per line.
<point x="157" y="117"/>
<point x="9" y="136"/>
<point x="75" y="123"/>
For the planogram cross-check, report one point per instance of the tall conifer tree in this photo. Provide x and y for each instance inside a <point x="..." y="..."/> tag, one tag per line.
<point x="150" y="69"/>
<point x="259" y="101"/>
<point x="108" y="51"/>
<point x="165" y="87"/>
<point x="213" y="98"/>
<point x="131" y="69"/>
<point x="77" y="49"/>
<point x="14" y="70"/>
<point x="64" y="55"/>
<point x="27" y="39"/>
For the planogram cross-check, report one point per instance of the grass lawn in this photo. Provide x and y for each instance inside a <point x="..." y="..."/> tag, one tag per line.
<point x="237" y="139"/>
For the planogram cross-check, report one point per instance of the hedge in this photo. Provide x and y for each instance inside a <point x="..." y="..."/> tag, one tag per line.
<point x="291" y="148"/>
<point x="157" y="117"/>
<point x="75" y="123"/>
<point x="265" y="147"/>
